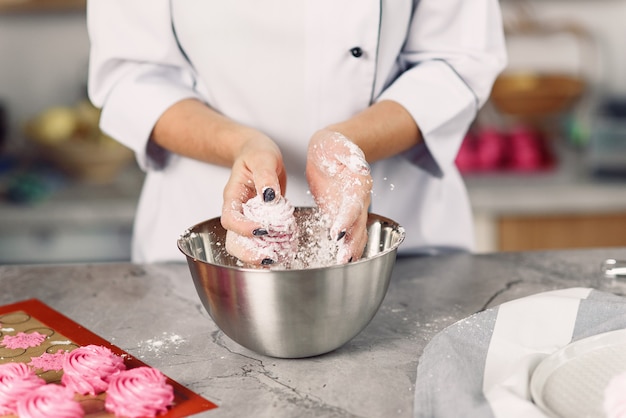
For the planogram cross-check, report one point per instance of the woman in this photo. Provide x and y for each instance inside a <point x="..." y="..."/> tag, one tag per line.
<point x="225" y="100"/>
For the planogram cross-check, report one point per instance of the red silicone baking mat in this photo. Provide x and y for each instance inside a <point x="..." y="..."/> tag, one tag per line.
<point x="64" y="334"/>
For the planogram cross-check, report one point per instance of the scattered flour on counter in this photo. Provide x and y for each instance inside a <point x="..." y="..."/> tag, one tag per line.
<point x="166" y="342"/>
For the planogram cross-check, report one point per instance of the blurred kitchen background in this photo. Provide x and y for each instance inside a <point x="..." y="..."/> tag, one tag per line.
<point x="545" y="161"/>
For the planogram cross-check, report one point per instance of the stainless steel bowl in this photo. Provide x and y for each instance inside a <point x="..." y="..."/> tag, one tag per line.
<point x="291" y="313"/>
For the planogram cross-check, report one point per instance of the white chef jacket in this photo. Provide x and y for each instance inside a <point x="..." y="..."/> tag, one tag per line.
<point x="289" y="68"/>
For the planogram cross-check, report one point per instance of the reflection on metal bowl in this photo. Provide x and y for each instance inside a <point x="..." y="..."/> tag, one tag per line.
<point x="291" y="313"/>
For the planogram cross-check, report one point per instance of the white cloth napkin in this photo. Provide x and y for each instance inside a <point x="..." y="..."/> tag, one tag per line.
<point x="481" y="366"/>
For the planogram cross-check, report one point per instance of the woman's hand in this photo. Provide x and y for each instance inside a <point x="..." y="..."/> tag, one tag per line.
<point x="257" y="170"/>
<point x="340" y="181"/>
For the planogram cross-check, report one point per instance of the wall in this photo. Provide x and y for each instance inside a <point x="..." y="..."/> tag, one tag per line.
<point x="43" y="62"/>
<point x="602" y="18"/>
<point x="44" y="57"/>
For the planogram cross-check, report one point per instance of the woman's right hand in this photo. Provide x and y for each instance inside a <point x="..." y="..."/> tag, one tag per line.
<point x="257" y="170"/>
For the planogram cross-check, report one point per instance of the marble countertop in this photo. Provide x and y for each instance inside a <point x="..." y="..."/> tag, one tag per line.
<point x="153" y="312"/>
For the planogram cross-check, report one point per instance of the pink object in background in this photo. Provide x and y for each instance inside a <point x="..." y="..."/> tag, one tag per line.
<point x="490" y="149"/>
<point x="525" y="149"/>
<point x="466" y="157"/>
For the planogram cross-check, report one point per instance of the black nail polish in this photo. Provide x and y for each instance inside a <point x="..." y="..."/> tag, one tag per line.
<point x="269" y="194"/>
<point x="341" y="235"/>
<point x="267" y="261"/>
<point x="259" y="232"/>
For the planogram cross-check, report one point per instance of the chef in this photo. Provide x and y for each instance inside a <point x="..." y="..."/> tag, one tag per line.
<point x="225" y="100"/>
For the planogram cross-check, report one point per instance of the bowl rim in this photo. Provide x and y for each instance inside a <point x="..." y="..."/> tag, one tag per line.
<point x="269" y="269"/>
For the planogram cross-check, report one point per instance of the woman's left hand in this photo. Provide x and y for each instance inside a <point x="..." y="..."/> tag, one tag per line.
<point x="341" y="184"/>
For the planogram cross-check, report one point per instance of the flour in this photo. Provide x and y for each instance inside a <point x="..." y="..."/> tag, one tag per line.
<point x="316" y="248"/>
<point x="340" y="152"/>
<point x="155" y="345"/>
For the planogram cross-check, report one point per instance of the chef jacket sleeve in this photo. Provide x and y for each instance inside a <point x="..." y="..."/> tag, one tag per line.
<point x="453" y="53"/>
<point x="136" y="71"/>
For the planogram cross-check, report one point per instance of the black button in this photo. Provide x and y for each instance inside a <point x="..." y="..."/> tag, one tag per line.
<point x="356" y="52"/>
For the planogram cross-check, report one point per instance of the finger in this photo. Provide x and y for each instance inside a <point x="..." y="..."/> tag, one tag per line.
<point x="358" y="243"/>
<point x="352" y="244"/>
<point x="235" y="194"/>
<point x="266" y="180"/>
<point x="351" y="249"/>
<point x="236" y="222"/>
<point x="249" y="250"/>
<point x="346" y="216"/>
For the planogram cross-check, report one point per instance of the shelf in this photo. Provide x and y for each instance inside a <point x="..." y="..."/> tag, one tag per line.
<point x="36" y="6"/>
<point x="527" y="233"/>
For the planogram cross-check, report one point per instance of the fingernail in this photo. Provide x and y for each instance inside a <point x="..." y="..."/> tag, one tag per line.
<point x="269" y="194"/>
<point x="341" y="235"/>
<point x="259" y="232"/>
<point x="267" y="261"/>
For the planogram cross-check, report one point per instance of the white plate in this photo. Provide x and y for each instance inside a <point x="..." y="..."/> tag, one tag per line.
<point x="571" y="382"/>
